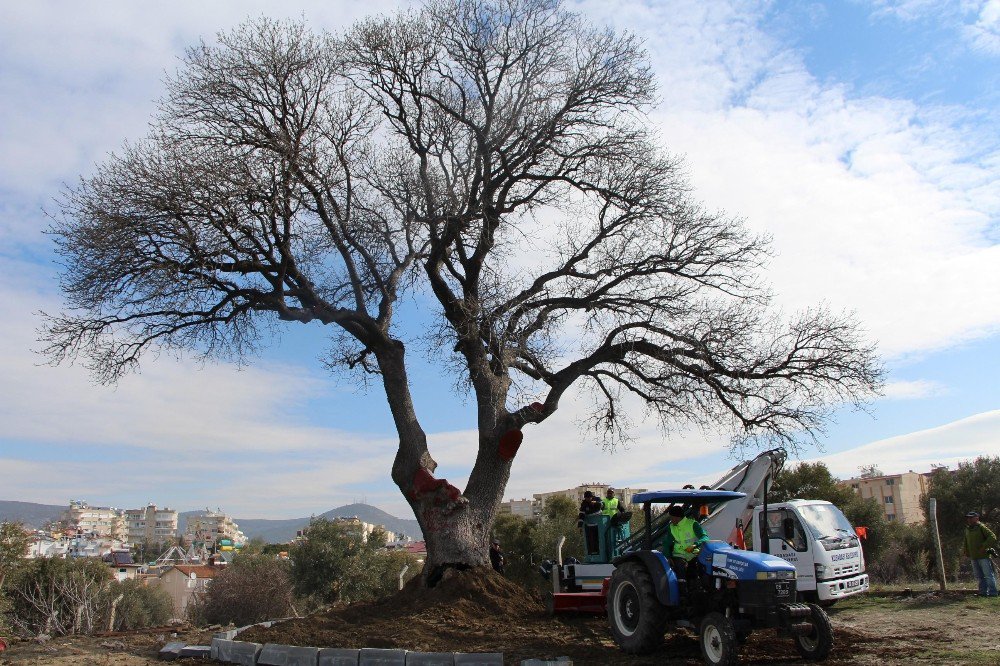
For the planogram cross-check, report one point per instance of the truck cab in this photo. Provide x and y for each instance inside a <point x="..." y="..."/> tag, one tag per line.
<point x="817" y="539"/>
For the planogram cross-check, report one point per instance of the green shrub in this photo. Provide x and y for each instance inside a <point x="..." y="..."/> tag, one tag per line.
<point x="132" y="605"/>
<point x="252" y="589"/>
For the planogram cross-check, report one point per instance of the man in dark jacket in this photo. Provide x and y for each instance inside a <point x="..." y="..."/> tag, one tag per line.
<point x="496" y="557"/>
<point x="979" y="540"/>
<point x="589" y="505"/>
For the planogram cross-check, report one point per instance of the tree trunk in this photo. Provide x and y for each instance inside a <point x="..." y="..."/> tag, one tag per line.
<point x="456" y="525"/>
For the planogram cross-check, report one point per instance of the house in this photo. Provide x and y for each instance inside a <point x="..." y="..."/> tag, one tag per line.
<point x="184" y="582"/>
<point x="122" y="566"/>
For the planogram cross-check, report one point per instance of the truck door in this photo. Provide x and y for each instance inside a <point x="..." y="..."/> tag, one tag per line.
<point x="787" y="540"/>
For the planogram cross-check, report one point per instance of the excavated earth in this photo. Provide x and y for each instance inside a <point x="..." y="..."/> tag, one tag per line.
<point x="483" y="612"/>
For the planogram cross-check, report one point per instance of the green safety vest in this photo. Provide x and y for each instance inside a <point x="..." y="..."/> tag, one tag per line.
<point x="610" y="506"/>
<point x="684" y="536"/>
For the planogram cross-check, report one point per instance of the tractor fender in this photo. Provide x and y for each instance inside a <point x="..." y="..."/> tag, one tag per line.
<point x="664" y="578"/>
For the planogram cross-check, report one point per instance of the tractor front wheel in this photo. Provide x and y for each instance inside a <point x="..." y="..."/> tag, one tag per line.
<point x="816" y="645"/>
<point x="636" y="616"/>
<point x="719" y="646"/>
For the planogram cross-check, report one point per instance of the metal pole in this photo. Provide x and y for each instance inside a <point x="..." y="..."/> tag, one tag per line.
<point x="932" y="512"/>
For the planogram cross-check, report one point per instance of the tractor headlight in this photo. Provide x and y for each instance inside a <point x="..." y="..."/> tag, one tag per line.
<point x="775" y="575"/>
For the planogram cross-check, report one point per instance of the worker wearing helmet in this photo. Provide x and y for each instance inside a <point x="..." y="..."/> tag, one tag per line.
<point x="683" y="540"/>
<point x="610" y="503"/>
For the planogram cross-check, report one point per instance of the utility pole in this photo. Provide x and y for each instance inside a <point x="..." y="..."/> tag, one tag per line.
<point x="932" y="511"/>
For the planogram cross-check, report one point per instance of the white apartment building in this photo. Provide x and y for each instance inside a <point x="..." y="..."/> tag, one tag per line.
<point x="100" y="521"/>
<point x="212" y="527"/>
<point x="365" y="529"/>
<point x="151" y="525"/>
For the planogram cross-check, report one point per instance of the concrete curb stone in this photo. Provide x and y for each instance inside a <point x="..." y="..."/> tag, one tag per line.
<point x="196" y="652"/>
<point x="479" y="659"/>
<point x="338" y="657"/>
<point x="430" y="659"/>
<point x="274" y="654"/>
<point x="381" y="657"/>
<point x="171" y="650"/>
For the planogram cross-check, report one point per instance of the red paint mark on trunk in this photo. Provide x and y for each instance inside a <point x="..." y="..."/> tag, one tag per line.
<point x="424" y="482"/>
<point x="537" y="406"/>
<point x="510" y="441"/>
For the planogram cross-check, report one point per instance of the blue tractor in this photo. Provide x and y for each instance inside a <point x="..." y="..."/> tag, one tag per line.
<point x="724" y="593"/>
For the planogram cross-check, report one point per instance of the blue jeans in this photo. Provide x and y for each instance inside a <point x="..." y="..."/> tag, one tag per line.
<point x="984" y="574"/>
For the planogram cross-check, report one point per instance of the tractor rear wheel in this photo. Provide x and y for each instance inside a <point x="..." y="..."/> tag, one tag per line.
<point x="816" y="645"/>
<point x="717" y="637"/>
<point x="637" y="618"/>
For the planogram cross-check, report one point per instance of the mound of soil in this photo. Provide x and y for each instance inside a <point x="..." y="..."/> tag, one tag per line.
<point x="481" y="611"/>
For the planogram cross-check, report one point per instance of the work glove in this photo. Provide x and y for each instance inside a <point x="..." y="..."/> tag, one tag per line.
<point x="992" y="552"/>
<point x="690" y="549"/>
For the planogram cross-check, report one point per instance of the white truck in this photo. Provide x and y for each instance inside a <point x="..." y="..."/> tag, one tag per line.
<point x="813" y="535"/>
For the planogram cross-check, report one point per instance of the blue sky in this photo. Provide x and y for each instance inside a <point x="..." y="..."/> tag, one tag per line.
<point x="863" y="136"/>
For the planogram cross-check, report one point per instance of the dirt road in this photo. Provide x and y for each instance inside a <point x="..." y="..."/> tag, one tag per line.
<point x="887" y="628"/>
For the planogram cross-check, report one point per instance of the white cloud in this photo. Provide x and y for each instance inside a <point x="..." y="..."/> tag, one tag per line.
<point x="949" y="444"/>
<point x="911" y="390"/>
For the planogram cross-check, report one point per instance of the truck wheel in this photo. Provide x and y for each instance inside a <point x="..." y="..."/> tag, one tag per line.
<point x="637" y="618"/>
<point x="816" y="645"/>
<point x="719" y="646"/>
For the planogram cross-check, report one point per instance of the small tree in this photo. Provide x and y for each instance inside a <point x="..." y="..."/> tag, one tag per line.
<point x="335" y="563"/>
<point x="252" y="589"/>
<point x="14" y="543"/>
<point x="58" y="597"/>
<point x="294" y="177"/>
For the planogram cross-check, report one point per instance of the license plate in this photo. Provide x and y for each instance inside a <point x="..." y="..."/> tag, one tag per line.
<point x="853" y="583"/>
<point x="782" y="589"/>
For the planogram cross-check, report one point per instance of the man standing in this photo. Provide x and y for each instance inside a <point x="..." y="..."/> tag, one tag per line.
<point x="683" y="540"/>
<point x="978" y="540"/>
<point x="496" y="557"/>
<point x="589" y="505"/>
<point x="610" y="503"/>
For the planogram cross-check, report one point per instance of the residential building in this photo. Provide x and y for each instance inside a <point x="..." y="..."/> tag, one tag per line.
<point x="122" y="566"/>
<point x="212" y="527"/>
<point x="624" y="495"/>
<point x="522" y="507"/>
<point x="99" y="521"/>
<point x="151" y="525"/>
<point x="897" y="494"/>
<point x="184" y="582"/>
<point x="358" y="526"/>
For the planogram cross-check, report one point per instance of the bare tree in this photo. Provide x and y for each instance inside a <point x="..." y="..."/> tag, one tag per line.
<point x="314" y="178"/>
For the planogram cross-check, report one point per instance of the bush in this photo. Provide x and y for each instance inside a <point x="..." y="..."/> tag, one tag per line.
<point x="336" y="564"/>
<point x="132" y="605"/>
<point x="252" y="589"/>
<point x="58" y="597"/>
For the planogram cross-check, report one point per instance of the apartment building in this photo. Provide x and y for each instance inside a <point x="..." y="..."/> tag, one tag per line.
<point x="359" y="526"/>
<point x="98" y="521"/>
<point x="897" y="494"/>
<point x="212" y="527"/>
<point x="533" y="508"/>
<point x="522" y="507"/>
<point x="151" y="525"/>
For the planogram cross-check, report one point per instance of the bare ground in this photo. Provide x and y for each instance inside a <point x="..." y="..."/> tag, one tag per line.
<point x="476" y="613"/>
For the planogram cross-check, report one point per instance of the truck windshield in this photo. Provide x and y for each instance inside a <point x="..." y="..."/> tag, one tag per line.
<point x="826" y="520"/>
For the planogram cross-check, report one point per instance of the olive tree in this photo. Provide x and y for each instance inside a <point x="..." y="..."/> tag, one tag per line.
<point x="489" y="158"/>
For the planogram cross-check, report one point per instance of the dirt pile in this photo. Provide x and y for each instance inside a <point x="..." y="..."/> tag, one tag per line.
<point x="480" y="611"/>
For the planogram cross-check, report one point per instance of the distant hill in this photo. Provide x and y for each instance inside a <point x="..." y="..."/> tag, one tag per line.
<point x="272" y="531"/>
<point x="29" y="513"/>
<point x="280" y="531"/>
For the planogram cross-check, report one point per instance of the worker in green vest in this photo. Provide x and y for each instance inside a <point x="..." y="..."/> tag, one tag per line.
<point x="609" y="503"/>
<point x="683" y="541"/>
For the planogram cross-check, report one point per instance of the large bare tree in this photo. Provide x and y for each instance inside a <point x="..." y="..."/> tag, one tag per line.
<point x="298" y="177"/>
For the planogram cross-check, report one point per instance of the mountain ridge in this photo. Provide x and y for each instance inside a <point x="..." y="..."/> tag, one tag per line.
<point x="271" y="530"/>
